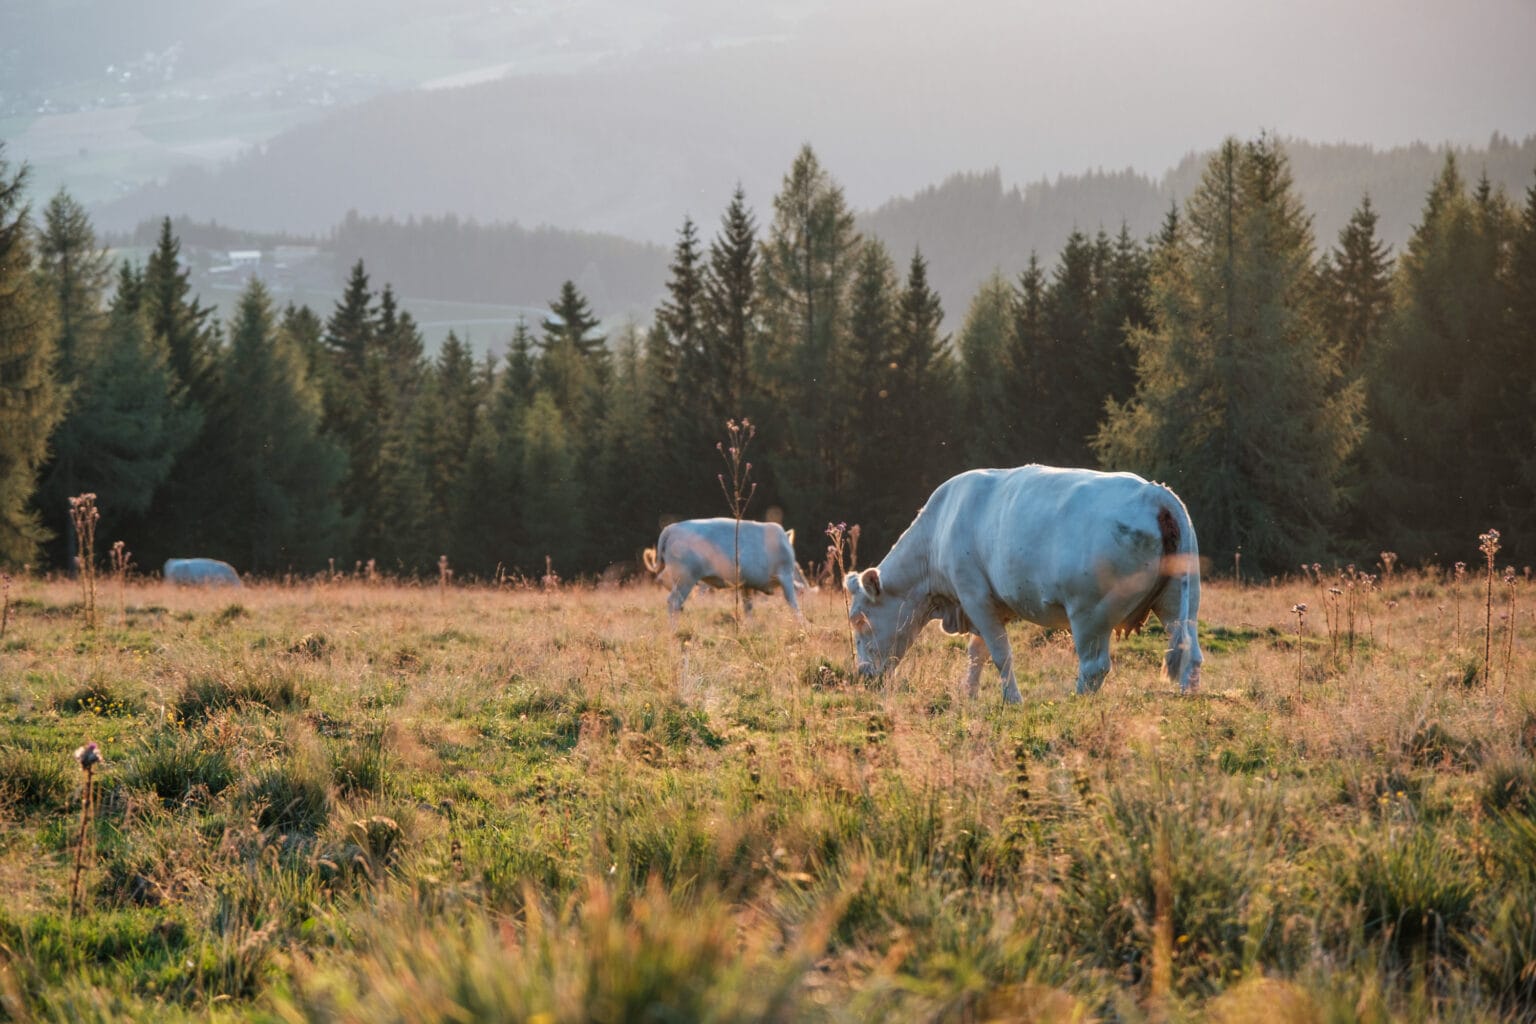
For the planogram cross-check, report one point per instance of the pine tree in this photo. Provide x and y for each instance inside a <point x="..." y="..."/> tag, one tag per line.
<point x="989" y="405"/>
<point x="124" y="430"/>
<point x="873" y="453"/>
<point x="277" y="474"/>
<point x="1238" y="405"/>
<point x="571" y="320"/>
<point x="179" y="320"/>
<point x="573" y="364"/>
<point x="75" y="273"/>
<point x="455" y="392"/>
<point x="1519" y="431"/>
<point x="348" y="407"/>
<point x="1122" y="308"/>
<point x="1024" y="369"/>
<point x="728" y="333"/>
<point x="551" y="490"/>
<point x="1440" y="381"/>
<point x="807" y="267"/>
<point x="681" y="315"/>
<point x="622" y="485"/>
<point x="1356" y="285"/>
<point x="308" y="332"/>
<point x="488" y="533"/>
<point x="1066" y="412"/>
<point x="398" y="527"/>
<point x="922" y="393"/>
<point x="675" y="374"/>
<point x="183" y="511"/>
<point x="31" y="401"/>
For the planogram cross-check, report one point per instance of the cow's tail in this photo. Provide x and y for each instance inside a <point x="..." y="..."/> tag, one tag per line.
<point x="656" y="558"/>
<point x="1181" y="573"/>
<point x="800" y="581"/>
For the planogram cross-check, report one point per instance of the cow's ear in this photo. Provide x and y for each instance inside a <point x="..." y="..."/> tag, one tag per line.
<point x="790" y="533"/>
<point x="869" y="579"/>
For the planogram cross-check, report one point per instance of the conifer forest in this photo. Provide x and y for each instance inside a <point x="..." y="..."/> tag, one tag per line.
<point x="1311" y="399"/>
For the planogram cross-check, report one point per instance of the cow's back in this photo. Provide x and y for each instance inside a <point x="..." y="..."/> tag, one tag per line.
<point x="200" y="572"/>
<point x="706" y="550"/>
<point x="1034" y="528"/>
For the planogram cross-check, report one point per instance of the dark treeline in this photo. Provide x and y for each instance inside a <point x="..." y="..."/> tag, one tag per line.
<point x="1309" y="399"/>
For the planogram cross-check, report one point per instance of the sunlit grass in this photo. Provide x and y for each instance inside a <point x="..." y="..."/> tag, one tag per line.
<point x="323" y="801"/>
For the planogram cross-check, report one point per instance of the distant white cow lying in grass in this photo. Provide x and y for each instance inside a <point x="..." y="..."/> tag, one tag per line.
<point x="200" y="572"/>
<point x="698" y="551"/>
<point x="1095" y="552"/>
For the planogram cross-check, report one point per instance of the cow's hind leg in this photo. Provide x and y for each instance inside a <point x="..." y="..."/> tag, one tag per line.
<point x="1090" y="636"/>
<point x="978" y="657"/>
<point x="1182" y="660"/>
<point x="676" y="598"/>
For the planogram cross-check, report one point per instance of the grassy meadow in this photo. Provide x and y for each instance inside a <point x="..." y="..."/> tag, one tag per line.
<point x="346" y="801"/>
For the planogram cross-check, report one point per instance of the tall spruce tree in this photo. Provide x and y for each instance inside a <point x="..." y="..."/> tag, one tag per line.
<point x="348" y="340"/>
<point x="675" y="375"/>
<point x="1121" y="309"/>
<point x="397" y="527"/>
<point x="76" y="273"/>
<point x="573" y="365"/>
<point x="622" y="484"/>
<point x="1238" y="404"/>
<point x="1024" y="369"/>
<point x="1440" y="381"/>
<point x="488" y="536"/>
<point x="124" y="430"/>
<point x="729" y="331"/>
<point x="1066" y="411"/>
<point x="874" y="451"/>
<point x="551" y="489"/>
<point x="922" y="394"/>
<point x="277" y="474"/>
<point x="179" y="319"/>
<point x="31" y="400"/>
<point x="807" y="266"/>
<point x="183" y="512"/>
<point x="1519" y="437"/>
<point x="1357" y="288"/>
<point x="989" y="406"/>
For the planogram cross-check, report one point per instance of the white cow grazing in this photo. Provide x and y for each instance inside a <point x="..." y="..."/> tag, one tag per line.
<point x="1059" y="547"/>
<point x="698" y="551"/>
<point x="200" y="572"/>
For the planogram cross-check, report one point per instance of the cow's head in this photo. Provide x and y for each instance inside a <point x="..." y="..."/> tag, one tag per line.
<point x="883" y="624"/>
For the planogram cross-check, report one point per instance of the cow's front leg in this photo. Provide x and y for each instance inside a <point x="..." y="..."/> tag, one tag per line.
<point x="1091" y="638"/>
<point x="787" y="584"/>
<point x="994" y="635"/>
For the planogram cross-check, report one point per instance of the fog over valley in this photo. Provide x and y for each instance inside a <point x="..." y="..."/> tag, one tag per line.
<point x="980" y="133"/>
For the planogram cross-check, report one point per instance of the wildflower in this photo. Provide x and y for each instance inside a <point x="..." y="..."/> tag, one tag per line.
<point x="89" y="755"/>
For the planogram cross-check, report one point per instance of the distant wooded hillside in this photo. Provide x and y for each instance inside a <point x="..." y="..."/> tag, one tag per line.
<point x="974" y="224"/>
<point x="967" y="227"/>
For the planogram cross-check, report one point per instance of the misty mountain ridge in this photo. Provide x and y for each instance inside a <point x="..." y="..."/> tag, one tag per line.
<point x="968" y="227"/>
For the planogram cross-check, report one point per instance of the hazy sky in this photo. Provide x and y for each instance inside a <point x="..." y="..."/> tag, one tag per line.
<point x="895" y="95"/>
<point x="1113" y="83"/>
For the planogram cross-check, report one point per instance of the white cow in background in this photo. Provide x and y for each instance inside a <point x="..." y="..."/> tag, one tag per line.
<point x="200" y="572"/>
<point x="1091" y="551"/>
<point x="698" y="551"/>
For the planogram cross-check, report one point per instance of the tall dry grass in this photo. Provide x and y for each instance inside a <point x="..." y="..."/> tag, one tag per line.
<point x="349" y="799"/>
